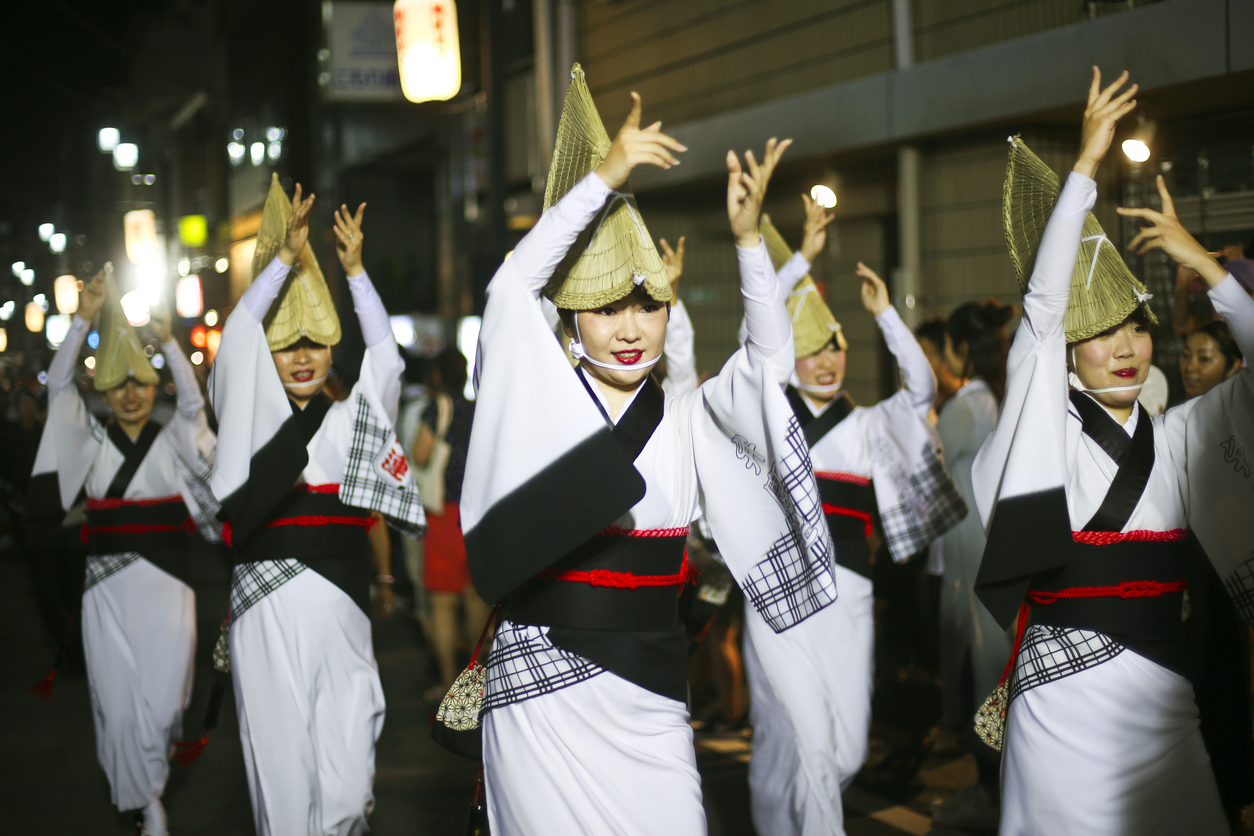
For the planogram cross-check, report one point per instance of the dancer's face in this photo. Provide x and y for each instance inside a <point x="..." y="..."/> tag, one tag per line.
<point x="626" y="334"/>
<point x="303" y="367"/>
<point x="131" y="404"/>
<point x="1203" y="365"/>
<point x="1119" y="356"/>
<point x="826" y="367"/>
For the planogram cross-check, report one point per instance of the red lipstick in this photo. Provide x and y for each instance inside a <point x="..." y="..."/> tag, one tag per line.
<point x="1126" y="374"/>
<point x="630" y="357"/>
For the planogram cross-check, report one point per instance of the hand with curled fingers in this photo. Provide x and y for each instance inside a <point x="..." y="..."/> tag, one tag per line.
<point x="746" y="189"/>
<point x="348" y="239"/>
<point x="1166" y="233"/>
<point x="1101" y="115"/>
<point x="815" y="237"/>
<point x="637" y="146"/>
<point x="874" y="291"/>
<point x="297" y="228"/>
<point x="91" y="297"/>
<point x="673" y="261"/>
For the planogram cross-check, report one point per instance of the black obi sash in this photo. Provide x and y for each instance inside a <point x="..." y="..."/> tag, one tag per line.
<point x="158" y="529"/>
<point x="848" y="503"/>
<point x="614" y="599"/>
<point x="1128" y="586"/>
<point x="312" y="525"/>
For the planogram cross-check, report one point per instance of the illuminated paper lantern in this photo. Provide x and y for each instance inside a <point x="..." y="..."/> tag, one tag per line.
<point x="427" y="50"/>
<point x="34" y="317"/>
<point x="141" y="235"/>
<point x="189" y="301"/>
<point x="193" y="230"/>
<point x="65" y="291"/>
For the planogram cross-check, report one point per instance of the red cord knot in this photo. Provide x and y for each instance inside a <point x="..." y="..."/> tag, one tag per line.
<point x="1125" y="590"/>
<point x="1109" y="538"/>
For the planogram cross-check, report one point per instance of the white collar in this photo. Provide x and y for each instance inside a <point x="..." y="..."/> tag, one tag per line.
<point x="600" y="396"/>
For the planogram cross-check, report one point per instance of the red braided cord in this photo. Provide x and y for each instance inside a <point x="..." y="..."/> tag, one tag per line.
<point x="838" y="476"/>
<point x="134" y="528"/>
<point x="308" y="520"/>
<point x="615" y="531"/>
<point x="332" y="487"/>
<point x="1109" y="538"/>
<point x="1125" y="590"/>
<point x="1014" y="650"/>
<point x="623" y="580"/>
<point x="850" y="512"/>
<point x="110" y="504"/>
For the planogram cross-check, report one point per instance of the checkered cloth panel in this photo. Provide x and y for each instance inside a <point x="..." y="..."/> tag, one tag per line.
<point x="366" y="482"/>
<point x="250" y="582"/>
<point x="205" y="507"/>
<point x="101" y="566"/>
<point x="1240" y="586"/>
<point x="795" y="580"/>
<point x="1049" y="653"/>
<point x="930" y="506"/>
<point x="525" y="664"/>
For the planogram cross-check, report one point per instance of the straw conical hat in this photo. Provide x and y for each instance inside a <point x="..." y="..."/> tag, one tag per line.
<point x="615" y="253"/>
<point x="1104" y="293"/>
<point x="813" y="325"/>
<point x="305" y="308"/>
<point x="120" y="354"/>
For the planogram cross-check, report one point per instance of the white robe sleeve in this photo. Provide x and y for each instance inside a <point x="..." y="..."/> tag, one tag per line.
<point x="916" y="371"/>
<point x="384" y="363"/>
<point x="792" y="271"/>
<point x="681" y="357"/>
<point x="72" y="436"/>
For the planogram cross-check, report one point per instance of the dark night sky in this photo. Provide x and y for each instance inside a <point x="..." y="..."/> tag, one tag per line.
<point x="64" y="70"/>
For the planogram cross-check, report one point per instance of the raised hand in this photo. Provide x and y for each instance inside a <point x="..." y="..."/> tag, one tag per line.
<point x="348" y="239"/>
<point x="874" y="291"/>
<point x="815" y="238"/>
<point x="636" y="146"/>
<point x="91" y="297"/>
<point x="1101" y="115"/>
<point x="160" y="323"/>
<point x="297" y="228"/>
<point x="746" y="188"/>
<point x="673" y="261"/>
<point x="1166" y="233"/>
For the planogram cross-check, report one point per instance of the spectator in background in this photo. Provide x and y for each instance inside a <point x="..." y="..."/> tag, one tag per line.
<point x="931" y="336"/>
<point x="1210" y="356"/>
<point x="1190" y="306"/>
<point x="446" y="575"/>
<point x="415" y="397"/>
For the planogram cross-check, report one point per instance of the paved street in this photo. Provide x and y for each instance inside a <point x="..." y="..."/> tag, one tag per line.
<point x="51" y="784"/>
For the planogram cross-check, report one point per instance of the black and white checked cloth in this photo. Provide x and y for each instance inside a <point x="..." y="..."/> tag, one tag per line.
<point x="101" y="566"/>
<point x="795" y="579"/>
<point x="204" y="506"/>
<point x="1049" y="653"/>
<point x="365" y="484"/>
<point x="1240" y="586"/>
<point x="525" y="664"/>
<point x="250" y="582"/>
<point x="930" y="505"/>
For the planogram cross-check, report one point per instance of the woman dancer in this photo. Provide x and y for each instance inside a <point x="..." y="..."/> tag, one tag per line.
<point x="298" y="478"/>
<point x="1089" y="499"/>
<point x="147" y="489"/>
<point x="878" y="463"/>
<point x="581" y="484"/>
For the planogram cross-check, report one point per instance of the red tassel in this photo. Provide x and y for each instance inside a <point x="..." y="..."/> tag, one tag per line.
<point x="188" y="751"/>
<point x="42" y="690"/>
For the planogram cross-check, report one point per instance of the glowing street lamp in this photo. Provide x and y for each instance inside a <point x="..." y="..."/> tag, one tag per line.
<point x="107" y="140"/>
<point x="65" y="291"/>
<point x="27" y="277"/>
<point x="823" y="196"/>
<point x="125" y="156"/>
<point x="140" y="227"/>
<point x="427" y="50"/>
<point x="34" y="317"/>
<point x="45" y="231"/>
<point x="1137" y="147"/>
<point x="18" y="267"/>
<point x="189" y="299"/>
<point x="56" y="242"/>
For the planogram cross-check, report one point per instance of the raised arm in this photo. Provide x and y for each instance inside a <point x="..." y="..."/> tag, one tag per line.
<point x="265" y="288"/>
<point x="65" y="362"/>
<point x="190" y="400"/>
<point x="916" y="371"/>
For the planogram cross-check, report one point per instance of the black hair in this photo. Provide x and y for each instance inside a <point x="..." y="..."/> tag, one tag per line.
<point x="1218" y="331"/>
<point x="932" y="329"/>
<point x="451" y="365"/>
<point x="981" y="327"/>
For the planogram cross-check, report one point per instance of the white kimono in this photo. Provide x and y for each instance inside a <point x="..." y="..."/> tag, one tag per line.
<point x="890" y="457"/>
<point x="138" y="611"/>
<point x="1100" y="738"/>
<point x="571" y="746"/>
<point x="306" y="683"/>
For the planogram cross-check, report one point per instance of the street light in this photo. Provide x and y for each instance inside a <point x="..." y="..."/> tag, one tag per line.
<point x="257" y="152"/>
<point x="18" y="267"/>
<point x="235" y="150"/>
<point x="427" y="51"/>
<point x="125" y="156"/>
<point x="1137" y="147"/>
<point x="34" y="317"/>
<point x="107" y="140"/>
<point x="27" y="276"/>
<point x="7" y="309"/>
<point x="56" y="242"/>
<point x="45" y="231"/>
<point x="65" y="292"/>
<point x="823" y="196"/>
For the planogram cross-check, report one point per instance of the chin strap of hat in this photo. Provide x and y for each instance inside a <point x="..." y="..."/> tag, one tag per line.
<point x="1074" y="380"/>
<point x="577" y="351"/>
<point x="300" y="385"/>
<point x="831" y="389"/>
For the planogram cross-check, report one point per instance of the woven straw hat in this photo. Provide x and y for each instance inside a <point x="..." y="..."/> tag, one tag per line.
<point x="305" y="308"/>
<point x="813" y="325"/>
<point x="120" y="355"/>
<point x="1103" y="290"/>
<point x="615" y="254"/>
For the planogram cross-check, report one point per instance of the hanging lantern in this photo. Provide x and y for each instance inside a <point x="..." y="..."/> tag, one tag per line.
<point x="427" y="50"/>
<point x="34" y="317"/>
<point x="141" y="235"/>
<point x="189" y="301"/>
<point x="65" y="291"/>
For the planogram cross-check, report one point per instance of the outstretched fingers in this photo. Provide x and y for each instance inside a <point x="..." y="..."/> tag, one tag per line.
<point x="1169" y="205"/>
<point x="633" y="118"/>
